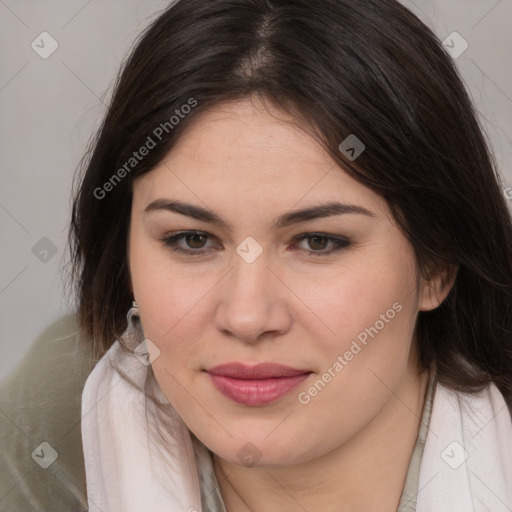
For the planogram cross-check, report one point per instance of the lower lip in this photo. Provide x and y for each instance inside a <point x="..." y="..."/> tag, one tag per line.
<point x="256" y="391"/>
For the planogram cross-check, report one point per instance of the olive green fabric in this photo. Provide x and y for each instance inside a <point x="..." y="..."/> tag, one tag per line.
<point x="40" y="402"/>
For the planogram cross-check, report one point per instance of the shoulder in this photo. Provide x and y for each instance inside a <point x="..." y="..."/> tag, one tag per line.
<point x="41" y="461"/>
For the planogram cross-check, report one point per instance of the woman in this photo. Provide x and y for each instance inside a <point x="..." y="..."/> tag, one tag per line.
<point x="292" y="225"/>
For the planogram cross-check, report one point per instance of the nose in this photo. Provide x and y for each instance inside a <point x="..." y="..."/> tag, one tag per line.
<point x="253" y="302"/>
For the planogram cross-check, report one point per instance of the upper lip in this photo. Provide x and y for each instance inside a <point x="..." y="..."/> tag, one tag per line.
<point x="259" y="371"/>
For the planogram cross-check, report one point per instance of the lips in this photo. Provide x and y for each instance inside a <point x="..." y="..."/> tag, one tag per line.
<point x="255" y="385"/>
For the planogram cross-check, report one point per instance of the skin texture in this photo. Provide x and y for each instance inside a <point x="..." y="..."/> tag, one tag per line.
<point x="349" y="447"/>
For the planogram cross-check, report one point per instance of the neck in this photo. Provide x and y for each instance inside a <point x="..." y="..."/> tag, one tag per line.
<point x="365" y="473"/>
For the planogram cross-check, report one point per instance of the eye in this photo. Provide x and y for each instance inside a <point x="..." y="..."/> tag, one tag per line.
<point x="195" y="241"/>
<point x="320" y="244"/>
<point x="319" y="241"/>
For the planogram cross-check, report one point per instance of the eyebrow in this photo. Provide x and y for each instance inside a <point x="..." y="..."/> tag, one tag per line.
<point x="293" y="217"/>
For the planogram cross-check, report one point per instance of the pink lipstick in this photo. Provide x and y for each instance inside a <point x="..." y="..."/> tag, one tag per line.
<point x="255" y="385"/>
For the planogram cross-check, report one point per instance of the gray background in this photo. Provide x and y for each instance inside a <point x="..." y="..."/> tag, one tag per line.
<point x="51" y="107"/>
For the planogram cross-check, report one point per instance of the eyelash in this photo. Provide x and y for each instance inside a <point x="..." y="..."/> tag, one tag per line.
<point x="339" y="243"/>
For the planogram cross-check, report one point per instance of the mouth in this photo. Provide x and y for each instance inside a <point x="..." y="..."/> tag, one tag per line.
<point x="255" y="385"/>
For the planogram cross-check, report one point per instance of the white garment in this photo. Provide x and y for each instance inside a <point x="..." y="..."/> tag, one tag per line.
<point x="467" y="459"/>
<point x="127" y="470"/>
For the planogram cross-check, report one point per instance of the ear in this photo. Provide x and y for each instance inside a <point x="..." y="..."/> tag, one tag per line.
<point x="435" y="288"/>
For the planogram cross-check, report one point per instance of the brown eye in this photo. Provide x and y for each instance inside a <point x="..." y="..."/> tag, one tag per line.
<point x="195" y="240"/>
<point x="189" y="243"/>
<point x="318" y="243"/>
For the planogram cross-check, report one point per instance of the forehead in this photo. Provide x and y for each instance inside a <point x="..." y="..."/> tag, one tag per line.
<point x="251" y="128"/>
<point x="252" y="154"/>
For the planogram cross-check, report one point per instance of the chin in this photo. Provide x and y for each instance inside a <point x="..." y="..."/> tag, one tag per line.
<point x="254" y="449"/>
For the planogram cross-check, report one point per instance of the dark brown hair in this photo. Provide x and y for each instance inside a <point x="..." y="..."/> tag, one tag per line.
<point x="369" y="68"/>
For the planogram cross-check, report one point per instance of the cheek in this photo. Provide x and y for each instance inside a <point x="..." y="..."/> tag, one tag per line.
<point x="174" y="311"/>
<point x="164" y="297"/>
<point x="373" y="319"/>
<point x="372" y="299"/>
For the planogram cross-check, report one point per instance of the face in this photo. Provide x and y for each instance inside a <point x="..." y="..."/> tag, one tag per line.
<point x="222" y="273"/>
